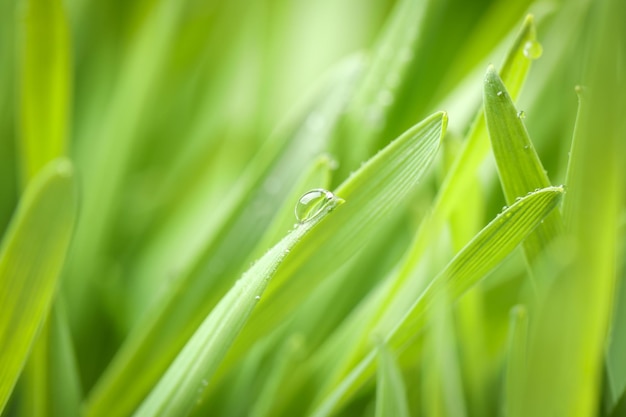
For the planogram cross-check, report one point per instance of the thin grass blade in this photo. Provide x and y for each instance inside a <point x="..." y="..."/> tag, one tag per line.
<point x="390" y="389"/>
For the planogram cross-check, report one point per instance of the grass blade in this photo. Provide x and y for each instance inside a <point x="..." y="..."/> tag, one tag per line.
<point x="32" y="255"/>
<point x="177" y="392"/>
<point x="516" y="362"/>
<point x="390" y="390"/>
<point x="469" y="266"/>
<point x="519" y="166"/>
<point x="45" y="83"/>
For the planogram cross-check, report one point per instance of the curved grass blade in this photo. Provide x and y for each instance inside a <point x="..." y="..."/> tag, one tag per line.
<point x="32" y="255"/>
<point x="158" y="338"/>
<point x="179" y="388"/>
<point x="488" y="248"/>
<point x="519" y="166"/>
<point x="45" y="82"/>
<point x="390" y="390"/>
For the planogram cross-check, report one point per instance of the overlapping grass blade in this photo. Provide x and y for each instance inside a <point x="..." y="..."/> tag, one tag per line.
<point x="179" y="388"/>
<point x="470" y="265"/>
<point x="45" y="81"/>
<point x="390" y="389"/>
<point x="160" y="335"/>
<point x="32" y="255"/>
<point x="519" y="166"/>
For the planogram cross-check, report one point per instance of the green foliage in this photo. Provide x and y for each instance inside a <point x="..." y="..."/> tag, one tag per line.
<point x="152" y="153"/>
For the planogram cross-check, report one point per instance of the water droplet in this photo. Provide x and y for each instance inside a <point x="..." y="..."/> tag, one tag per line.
<point x="312" y="203"/>
<point x="258" y="297"/>
<point x="533" y="50"/>
<point x="526" y="146"/>
<point x="499" y="93"/>
<point x="521" y="114"/>
<point x="286" y="250"/>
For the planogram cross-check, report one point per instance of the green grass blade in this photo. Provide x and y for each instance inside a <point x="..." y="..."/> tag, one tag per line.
<point x="359" y="132"/>
<point x="32" y="255"/>
<point x="179" y="389"/>
<point x="160" y="335"/>
<point x="519" y="166"/>
<point x="516" y="362"/>
<point x="390" y="390"/>
<point x="488" y="248"/>
<point x="45" y="84"/>
<point x="49" y="385"/>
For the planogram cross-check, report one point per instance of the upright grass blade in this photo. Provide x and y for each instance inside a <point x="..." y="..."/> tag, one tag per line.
<point x="45" y="84"/>
<point x="564" y="372"/>
<point x="516" y="362"/>
<point x="179" y="389"/>
<point x="488" y="248"/>
<point x="390" y="390"/>
<point x="32" y="255"/>
<point x="519" y="166"/>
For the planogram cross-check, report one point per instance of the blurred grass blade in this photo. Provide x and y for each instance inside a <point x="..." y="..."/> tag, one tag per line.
<point x="519" y="166"/>
<point x="163" y="331"/>
<point x="45" y="83"/>
<point x="488" y="248"/>
<point x="516" y="362"/>
<point x="359" y="131"/>
<point x="32" y="255"/>
<point x="179" y="389"/>
<point x="49" y="385"/>
<point x="390" y="390"/>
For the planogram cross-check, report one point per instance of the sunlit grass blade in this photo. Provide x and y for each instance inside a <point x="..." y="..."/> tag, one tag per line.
<point x="516" y="362"/>
<point x="390" y="389"/>
<point x="564" y="373"/>
<point x="45" y="84"/>
<point x="179" y="388"/>
<point x="32" y="255"/>
<point x="488" y="248"/>
<point x="519" y="166"/>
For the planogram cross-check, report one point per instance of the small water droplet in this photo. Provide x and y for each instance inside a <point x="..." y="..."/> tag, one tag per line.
<point x="521" y="114"/>
<point x="286" y="250"/>
<point x="526" y="146"/>
<point x="499" y="93"/>
<point x="312" y="203"/>
<point x="258" y="297"/>
<point x="533" y="50"/>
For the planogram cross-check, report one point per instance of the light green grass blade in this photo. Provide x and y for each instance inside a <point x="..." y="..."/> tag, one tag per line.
<point x="359" y="131"/>
<point x="45" y="83"/>
<point x="179" y="389"/>
<point x="32" y="255"/>
<point x="495" y="242"/>
<point x="49" y="384"/>
<point x="373" y="193"/>
<point x="160" y="335"/>
<point x="519" y="166"/>
<point x="516" y="362"/>
<point x="390" y="390"/>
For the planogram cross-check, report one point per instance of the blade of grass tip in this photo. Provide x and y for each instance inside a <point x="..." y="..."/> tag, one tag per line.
<point x="162" y="332"/>
<point x="516" y="362"/>
<point x="488" y="248"/>
<point x="615" y="359"/>
<point x="567" y="343"/>
<point x="373" y="193"/>
<point x="390" y="388"/>
<point x="45" y="83"/>
<point x="519" y="166"/>
<point x="514" y="71"/>
<point x="359" y="131"/>
<point x="32" y="255"/>
<point x="182" y="385"/>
